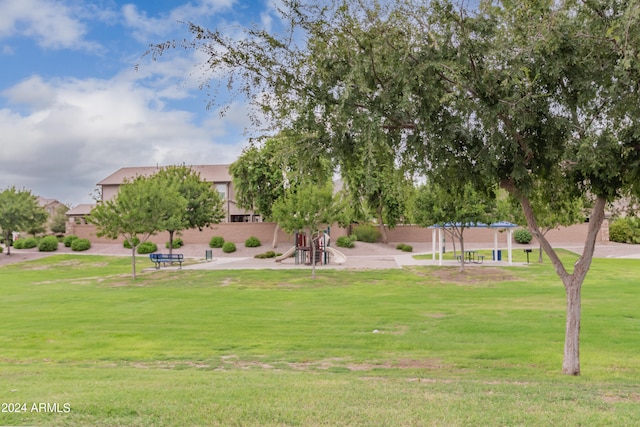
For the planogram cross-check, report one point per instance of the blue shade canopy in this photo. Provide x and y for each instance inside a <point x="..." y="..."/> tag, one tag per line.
<point x="499" y="224"/>
<point x="503" y="224"/>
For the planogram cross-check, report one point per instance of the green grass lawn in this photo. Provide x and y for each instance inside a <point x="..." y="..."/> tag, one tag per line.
<point x="422" y="346"/>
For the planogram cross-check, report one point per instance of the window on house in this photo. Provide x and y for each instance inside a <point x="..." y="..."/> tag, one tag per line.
<point x="222" y="190"/>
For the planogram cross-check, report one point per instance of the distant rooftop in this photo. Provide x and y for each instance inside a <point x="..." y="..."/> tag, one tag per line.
<point x="208" y="173"/>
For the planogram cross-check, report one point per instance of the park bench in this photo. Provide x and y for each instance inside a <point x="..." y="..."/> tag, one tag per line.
<point x="166" y="258"/>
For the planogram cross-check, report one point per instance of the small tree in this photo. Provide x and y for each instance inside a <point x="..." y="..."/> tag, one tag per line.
<point x="261" y="173"/>
<point x="139" y="210"/>
<point x="19" y="211"/>
<point x="59" y="220"/>
<point x="306" y="208"/>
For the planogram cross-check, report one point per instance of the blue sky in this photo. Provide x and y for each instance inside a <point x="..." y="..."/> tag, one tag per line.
<point x="73" y="109"/>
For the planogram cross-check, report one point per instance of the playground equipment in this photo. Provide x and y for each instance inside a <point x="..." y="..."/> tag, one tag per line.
<point x="303" y="250"/>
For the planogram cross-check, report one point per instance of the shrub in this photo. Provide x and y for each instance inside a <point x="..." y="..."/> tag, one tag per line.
<point x="48" y="244"/>
<point x="80" y="245"/>
<point x="522" y="236"/>
<point x="252" y="242"/>
<point x="177" y="243"/>
<point x="625" y="230"/>
<point x="345" y="242"/>
<point x="25" y="243"/>
<point x="228" y="247"/>
<point x="147" y="248"/>
<point x="619" y="231"/>
<point x="268" y="254"/>
<point x="367" y="233"/>
<point x="404" y="247"/>
<point x="216" y="242"/>
<point x="68" y="240"/>
<point x="1" y="249"/>
<point x="127" y="245"/>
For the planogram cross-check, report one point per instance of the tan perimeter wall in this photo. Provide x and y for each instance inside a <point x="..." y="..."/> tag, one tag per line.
<point x="239" y="232"/>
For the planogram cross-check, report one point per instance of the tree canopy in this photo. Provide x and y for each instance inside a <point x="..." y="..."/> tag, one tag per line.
<point x="201" y="205"/>
<point x="509" y="92"/>
<point x="141" y="208"/>
<point x="306" y="207"/>
<point x="19" y="211"/>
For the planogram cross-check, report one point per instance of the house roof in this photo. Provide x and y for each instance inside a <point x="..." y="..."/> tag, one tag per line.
<point x="43" y="201"/>
<point x="82" y="209"/>
<point x="209" y="173"/>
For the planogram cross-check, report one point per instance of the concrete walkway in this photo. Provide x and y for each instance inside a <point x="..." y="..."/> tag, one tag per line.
<point x="395" y="259"/>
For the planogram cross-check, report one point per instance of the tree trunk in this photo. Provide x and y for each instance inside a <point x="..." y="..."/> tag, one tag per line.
<point x="572" y="282"/>
<point x="275" y="237"/>
<point x="383" y="231"/>
<point x="171" y="242"/>
<point x="540" y="254"/>
<point x="455" y="248"/>
<point x="133" y="261"/>
<point x="7" y="242"/>
<point x="461" y="253"/>
<point x="571" y="361"/>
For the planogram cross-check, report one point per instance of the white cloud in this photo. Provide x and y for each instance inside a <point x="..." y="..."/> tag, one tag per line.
<point x="52" y="24"/>
<point x="147" y="28"/>
<point x="84" y="130"/>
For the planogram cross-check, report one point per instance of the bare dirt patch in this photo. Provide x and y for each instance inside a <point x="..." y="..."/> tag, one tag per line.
<point x="473" y="275"/>
<point x="632" y="397"/>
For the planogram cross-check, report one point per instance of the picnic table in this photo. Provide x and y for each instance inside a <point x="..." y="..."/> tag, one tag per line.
<point x="472" y="257"/>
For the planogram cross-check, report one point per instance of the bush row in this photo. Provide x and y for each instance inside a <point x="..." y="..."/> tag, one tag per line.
<point x="50" y="243"/>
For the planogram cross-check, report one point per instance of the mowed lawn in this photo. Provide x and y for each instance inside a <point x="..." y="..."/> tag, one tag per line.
<point x="81" y="343"/>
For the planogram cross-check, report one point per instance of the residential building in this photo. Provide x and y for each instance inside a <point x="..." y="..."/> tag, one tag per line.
<point x="217" y="175"/>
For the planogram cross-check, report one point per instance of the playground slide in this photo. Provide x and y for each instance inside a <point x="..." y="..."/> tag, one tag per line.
<point x="285" y="255"/>
<point x="338" y="257"/>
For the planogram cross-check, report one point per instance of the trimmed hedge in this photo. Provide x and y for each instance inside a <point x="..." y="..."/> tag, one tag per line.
<point x="48" y="244"/>
<point x="522" y="236"/>
<point x="367" y="233"/>
<point x="216" y="242"/>
<point x="80" y="245"/>
<point x="26" y="243"/>
<point x="68" y="240"/>
<point x="252" y="242"/>
<point x="127" y="245"/>
<point x="404" y="247"/>
<point x="147" y="248"/>
<point x="268" y="254"/>
<point x="345" y="241"/>
<point x="625" y="230"/>
<point x="228" y="247"/>
<point x="177" y="243"/>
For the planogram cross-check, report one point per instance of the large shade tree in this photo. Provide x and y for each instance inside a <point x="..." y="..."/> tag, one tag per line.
<point x="19" y="211"/>
<point x="514" y="91"/>
<point x="264" y="170"/>
<point x="203" y="204"/>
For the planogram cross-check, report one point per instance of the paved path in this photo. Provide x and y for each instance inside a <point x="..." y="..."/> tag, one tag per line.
<point x="394" y="259"/>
